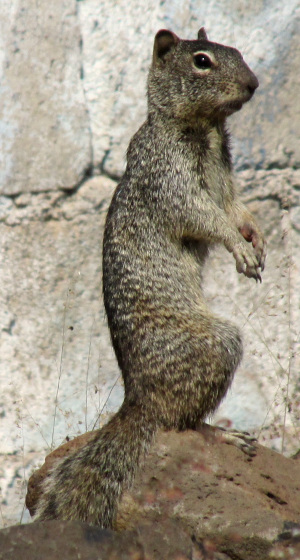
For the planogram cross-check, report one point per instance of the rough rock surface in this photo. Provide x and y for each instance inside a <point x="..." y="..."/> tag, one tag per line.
<point x="53" y="540"/>
<point x="164" y="541"/>
<point x="72" y="92"/>
<point x="211" y="491"/>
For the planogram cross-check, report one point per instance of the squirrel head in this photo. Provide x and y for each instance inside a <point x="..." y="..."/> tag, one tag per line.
<point x="197" y="79"/>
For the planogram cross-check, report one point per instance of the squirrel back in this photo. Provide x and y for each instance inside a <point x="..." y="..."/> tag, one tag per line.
<point x="175" y="201"/>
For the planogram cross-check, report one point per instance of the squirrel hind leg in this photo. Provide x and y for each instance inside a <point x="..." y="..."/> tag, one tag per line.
<point x="197" y="368"/>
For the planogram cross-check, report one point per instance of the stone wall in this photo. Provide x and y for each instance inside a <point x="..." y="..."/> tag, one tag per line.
<point x="72" y="93"/>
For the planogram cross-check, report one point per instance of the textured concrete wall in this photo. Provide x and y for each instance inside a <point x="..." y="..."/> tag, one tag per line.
<point x="72" y="93"/>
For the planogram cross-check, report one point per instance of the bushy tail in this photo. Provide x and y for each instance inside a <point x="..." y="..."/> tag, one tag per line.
<point x="87" y="485"/>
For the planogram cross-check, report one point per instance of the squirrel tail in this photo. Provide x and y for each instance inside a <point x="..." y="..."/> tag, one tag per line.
<point x="88" y="484"/>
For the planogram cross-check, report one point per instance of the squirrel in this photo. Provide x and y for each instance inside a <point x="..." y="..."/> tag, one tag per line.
<point x="176" y="200"/>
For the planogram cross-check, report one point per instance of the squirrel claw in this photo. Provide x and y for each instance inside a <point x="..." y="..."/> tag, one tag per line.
<point x="242" y="440"/>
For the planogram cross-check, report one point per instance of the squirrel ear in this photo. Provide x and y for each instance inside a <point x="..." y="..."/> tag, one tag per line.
<point x="164" y="41"/>
<point x="202" y="34"/>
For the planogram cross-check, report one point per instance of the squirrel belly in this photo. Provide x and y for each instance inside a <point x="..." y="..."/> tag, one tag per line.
<point x="175" y="201"/>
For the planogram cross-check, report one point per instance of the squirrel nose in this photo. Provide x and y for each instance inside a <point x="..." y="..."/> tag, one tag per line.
<point x="252" y="84"/>
<point x="251" y="89"/>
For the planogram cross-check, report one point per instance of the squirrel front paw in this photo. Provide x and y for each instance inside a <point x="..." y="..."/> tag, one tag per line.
<point x="247" y="261"/>
<point x="254" y="236"/>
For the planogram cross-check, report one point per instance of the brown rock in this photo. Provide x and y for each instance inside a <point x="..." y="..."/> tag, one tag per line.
<point x="215" y="491"/>
<point x="68" y="540"/>
<point x="55" y="540"/>
<point x="210" y="491"/>
<point x="287" y="545"/>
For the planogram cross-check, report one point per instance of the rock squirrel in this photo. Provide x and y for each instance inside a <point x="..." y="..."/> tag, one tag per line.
<point x="176" y="200"/>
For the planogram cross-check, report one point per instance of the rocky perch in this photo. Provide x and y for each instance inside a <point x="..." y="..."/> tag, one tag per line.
<point x="194" y="498"/>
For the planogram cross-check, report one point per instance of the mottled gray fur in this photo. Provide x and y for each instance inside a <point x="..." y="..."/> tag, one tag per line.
<point x="176" y="200"/>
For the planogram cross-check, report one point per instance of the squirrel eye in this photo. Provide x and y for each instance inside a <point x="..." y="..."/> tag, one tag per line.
<point x="202" y="61"/>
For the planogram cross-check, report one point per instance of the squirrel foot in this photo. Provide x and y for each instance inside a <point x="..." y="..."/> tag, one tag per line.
<point x="242" y="440"/>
